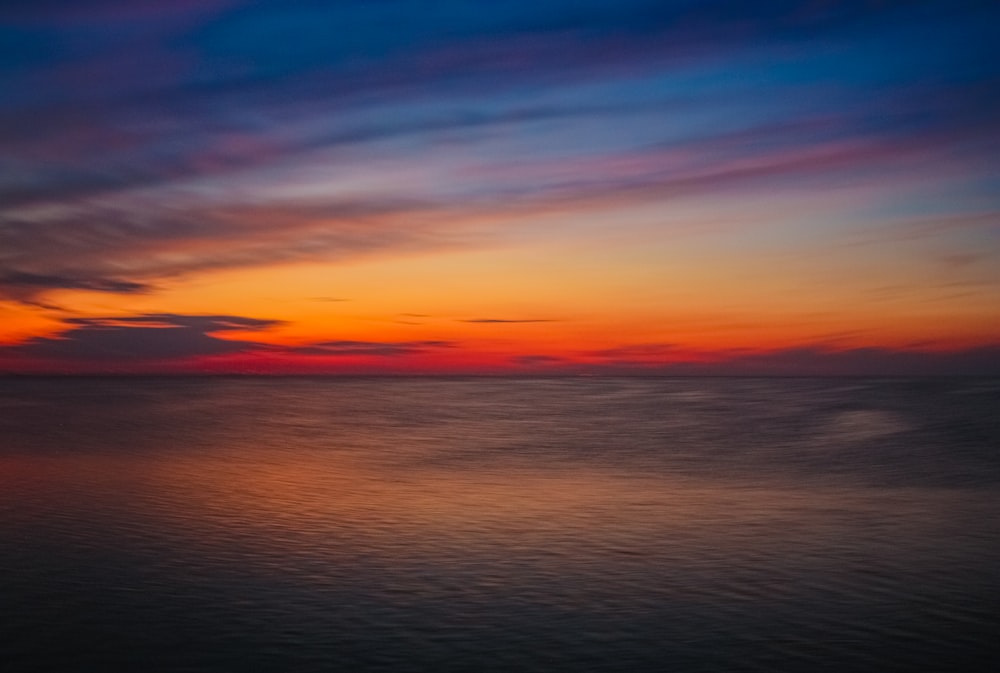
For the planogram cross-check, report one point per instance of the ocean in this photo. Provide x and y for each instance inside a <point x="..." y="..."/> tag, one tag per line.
<point x="499" y="524"/>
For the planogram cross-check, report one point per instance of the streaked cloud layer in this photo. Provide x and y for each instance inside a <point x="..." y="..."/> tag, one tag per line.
<point x="514" y="186"/>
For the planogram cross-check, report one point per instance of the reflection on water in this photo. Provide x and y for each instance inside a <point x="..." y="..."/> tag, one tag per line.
<point x="483" y="524"/>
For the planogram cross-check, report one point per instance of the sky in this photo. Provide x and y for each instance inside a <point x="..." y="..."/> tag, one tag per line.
<point x="544" y="187"/>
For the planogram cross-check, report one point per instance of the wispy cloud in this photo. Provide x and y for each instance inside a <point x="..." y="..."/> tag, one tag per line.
<point x="538" y="361"/>
<point x="501" y="321"/>
<point x="370" y="348"/>
<point x="149" y="142"/>
<point x="655" y="352"/>
<point x="129" y="243"/>
<point x="108" y="184"/>
<point x="23" y="286"/>
<point x="124" y="249"/>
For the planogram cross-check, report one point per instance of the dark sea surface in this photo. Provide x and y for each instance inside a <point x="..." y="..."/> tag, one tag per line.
<point x="309" y="524"/>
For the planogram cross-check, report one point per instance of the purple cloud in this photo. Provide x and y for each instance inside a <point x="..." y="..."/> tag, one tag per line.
<point x="372" y="348"/>
<point x="24" y="286"/>
<point x="160" y="336"/>
<point x="514" y="321"/>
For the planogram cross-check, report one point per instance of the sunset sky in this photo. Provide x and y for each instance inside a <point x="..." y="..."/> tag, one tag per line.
<point x="504" y="186"/>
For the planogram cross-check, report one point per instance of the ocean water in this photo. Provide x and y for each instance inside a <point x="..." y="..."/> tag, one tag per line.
<point x="480" y="524"/>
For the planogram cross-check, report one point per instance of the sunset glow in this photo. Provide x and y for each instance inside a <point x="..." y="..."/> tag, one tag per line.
<point x="568" y="187"/>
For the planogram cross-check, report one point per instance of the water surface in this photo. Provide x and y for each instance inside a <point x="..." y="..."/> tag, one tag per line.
<point x="238" y="524"/>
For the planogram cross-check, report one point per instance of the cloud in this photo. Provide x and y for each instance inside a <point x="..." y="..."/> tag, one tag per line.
<point x="535" y="361"/>
<point x="142" y="155"/>
<point x="133" y="241"/>
<point x="24" y="286"/>
<point x="159" y="336"/>
<point x="959" y="260"/>
<point x="139" y="342"/>
<point x="636" y="351"/>
<point x="147" y="141"/>
<point x="923" y="227"/>
<point x="153" y="341"/>
<point x="208" y="323"/>
<point x="370" y="348"/>
<point x="251" y="102"/>
<point x="506" y="320"/>
<point x="124" y="248"/>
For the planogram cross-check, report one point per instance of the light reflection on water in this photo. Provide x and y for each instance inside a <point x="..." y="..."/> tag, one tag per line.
<point x="499" y="525"/>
